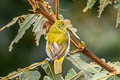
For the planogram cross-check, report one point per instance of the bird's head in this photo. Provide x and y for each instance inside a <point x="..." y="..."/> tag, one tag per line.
<point x="62" y="24"/>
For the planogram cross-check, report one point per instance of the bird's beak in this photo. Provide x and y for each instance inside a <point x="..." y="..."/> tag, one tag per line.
<point x="67" y="22"/>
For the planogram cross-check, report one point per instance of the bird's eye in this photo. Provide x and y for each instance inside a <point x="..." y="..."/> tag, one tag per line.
<point x="63" y="24"/>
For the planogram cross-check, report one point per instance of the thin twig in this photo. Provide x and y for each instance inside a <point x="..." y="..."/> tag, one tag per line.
<point x="31" y="3"/>
<point x="57" y="9"/>
<point x="52" y="13"/>
<point x="44" y="4"/>
<point x="75" y="43"/>
<point x="78" y="74"/>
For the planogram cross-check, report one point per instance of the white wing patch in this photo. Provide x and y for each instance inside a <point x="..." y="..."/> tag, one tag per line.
<point x="55" y="45"/>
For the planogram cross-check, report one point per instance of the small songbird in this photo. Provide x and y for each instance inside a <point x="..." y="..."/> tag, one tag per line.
<point x="58" y="44"/>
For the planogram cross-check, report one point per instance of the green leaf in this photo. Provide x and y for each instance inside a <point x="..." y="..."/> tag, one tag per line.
<point x="46" y="68"/>
<point x="12" y="75"/>
<point x="73" y="30"/>
<point x="90" y="4"/>
<point x="61" y="16"/>
<point x="116" y="65"/>
<point x="24" y="26"/>
<point x="10" y="23"/>
<point x="22" y="18"/>
<point x="38" y="28"/>
<point x="103" y="4"/>
<point x="117" y="5"/>
<point x="59" y="77"/>
<point x="112" y="78"/>
<point x="30" y="75"/>
<point x="14" y="20"/>
<point x="118" y="19"/>
<point x="87" y="69"/>
<point x="70" y="74"/>
<point x="116" y="78"/>
<point x="47" y="78"/>
<point x="101" y="75"/>
<point x="105" y="75"/>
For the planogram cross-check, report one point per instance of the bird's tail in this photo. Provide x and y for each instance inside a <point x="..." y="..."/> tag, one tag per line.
<point x="58" y="65"/>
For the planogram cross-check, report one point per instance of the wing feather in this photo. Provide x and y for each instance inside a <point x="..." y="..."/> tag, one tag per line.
<point x="57" y="52"/>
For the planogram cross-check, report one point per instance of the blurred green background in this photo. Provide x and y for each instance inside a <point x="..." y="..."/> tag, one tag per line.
<point x="100" y="35"/>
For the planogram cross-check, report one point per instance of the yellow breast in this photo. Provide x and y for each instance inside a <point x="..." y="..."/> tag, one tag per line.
<point x="57" y="37"/>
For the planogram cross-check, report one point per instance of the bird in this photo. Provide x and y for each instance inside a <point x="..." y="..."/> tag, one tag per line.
<point x="58" y="44"/>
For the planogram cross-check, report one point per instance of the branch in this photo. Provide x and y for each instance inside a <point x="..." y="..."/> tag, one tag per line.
<point x="90" y="55"/>
<point x="40" y="11"/>
<point x="45" y="14"/>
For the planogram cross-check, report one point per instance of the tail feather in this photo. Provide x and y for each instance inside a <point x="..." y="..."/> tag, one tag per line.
<point x="58" y="65"/>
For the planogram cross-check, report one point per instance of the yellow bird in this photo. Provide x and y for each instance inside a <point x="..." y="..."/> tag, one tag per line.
<point x="58" y="43"/>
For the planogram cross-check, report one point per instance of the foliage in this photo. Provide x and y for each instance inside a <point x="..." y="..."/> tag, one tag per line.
<point x="84" y="71"/>
<point x="26" y="24"/>
<point x="31" y="75"/>
<point x="102" y="5"/>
